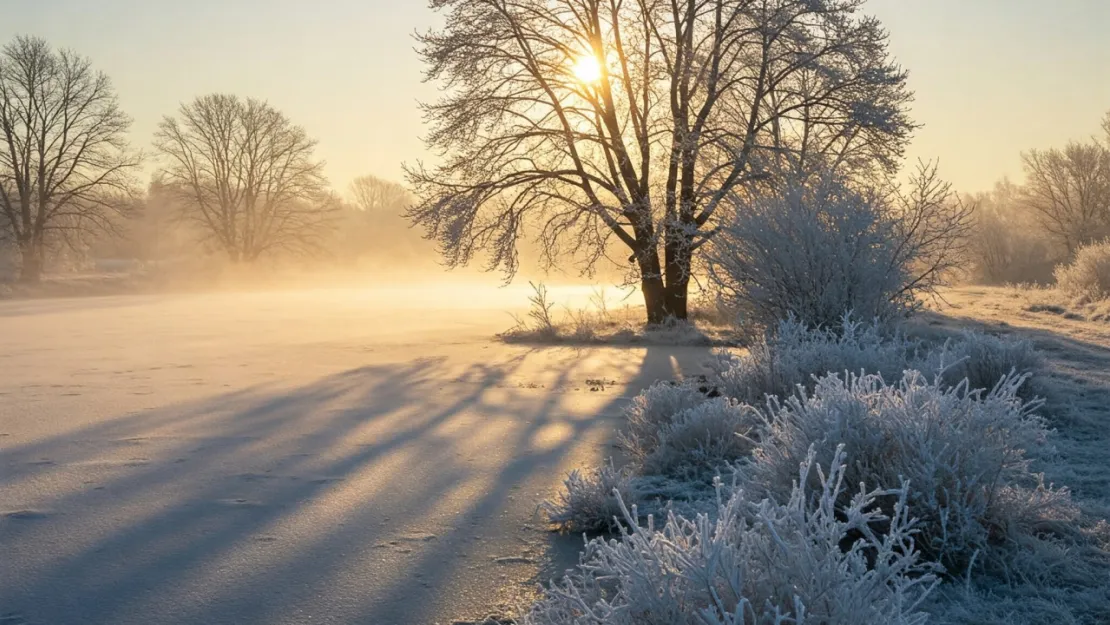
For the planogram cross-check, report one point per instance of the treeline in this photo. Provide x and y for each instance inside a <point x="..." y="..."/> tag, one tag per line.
<point x="234" y="178"/>
<point x="363" y="226"/>
<point x="1024" y="230"/>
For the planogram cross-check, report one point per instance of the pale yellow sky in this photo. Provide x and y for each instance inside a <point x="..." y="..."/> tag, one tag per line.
<point x="992" y="77"/>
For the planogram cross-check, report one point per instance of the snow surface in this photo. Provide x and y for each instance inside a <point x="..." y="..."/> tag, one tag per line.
<point x="314" y="456"/>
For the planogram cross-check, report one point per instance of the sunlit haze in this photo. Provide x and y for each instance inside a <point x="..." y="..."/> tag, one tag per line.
<point x="796" y="314"/>
<point x="992" y="77"/>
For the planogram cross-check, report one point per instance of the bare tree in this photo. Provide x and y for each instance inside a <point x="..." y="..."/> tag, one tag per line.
<point x="65" y="165"/>
<point x="375" y="228"/>
<point x="932" y="225"/>
<point x="1008" y="244"/>
<point x="246" y="175"/>
<point x="1069" y="190"/>
<point x="592" y="120"/>
<point x="376" y="195"/>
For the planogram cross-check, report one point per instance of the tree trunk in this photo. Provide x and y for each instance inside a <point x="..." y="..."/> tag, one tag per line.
<point x="651" y="283"/>
<point x="678" y="266"/>
<point x="665" y="295"/>
<point x="676" y="298"/>
<point x="32" y="262"/>
<point x="655" y="298"/>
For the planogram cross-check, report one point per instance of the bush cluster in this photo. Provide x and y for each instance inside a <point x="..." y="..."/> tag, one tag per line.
<point x="916" y="469"/>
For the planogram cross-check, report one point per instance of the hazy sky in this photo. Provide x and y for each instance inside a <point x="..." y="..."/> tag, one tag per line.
<point x="992" y="77"/>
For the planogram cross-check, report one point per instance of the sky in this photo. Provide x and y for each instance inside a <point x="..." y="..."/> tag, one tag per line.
<point x="992" y="77"/>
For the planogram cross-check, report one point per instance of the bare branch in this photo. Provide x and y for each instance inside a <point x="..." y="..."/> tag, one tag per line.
<point x="694" y="101"/>
<point x="66" y="170"/>
<point x="246" y="175"/>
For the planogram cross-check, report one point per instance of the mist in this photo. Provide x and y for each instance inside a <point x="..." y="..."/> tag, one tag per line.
<point x="552" y="312"/>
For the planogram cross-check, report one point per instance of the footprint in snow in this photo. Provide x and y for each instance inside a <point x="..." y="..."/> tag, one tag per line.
<point x="26" y="515"/>
<point x="513" y="560"/>
<point x="239" y="503"/>
<point x="256" y="477"/>
<point x="400" y="544"/>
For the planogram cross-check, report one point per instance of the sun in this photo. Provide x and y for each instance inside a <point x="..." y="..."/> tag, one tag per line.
<point x="587" y="70"/>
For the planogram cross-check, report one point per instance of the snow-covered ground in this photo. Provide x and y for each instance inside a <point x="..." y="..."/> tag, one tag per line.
<point x="342" y="455"/>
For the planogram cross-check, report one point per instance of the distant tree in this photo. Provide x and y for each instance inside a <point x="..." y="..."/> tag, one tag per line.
<point x="247" y="176"/>
<point x="375" y="229"/>
<point x="1008" y="244"/>
<point x="376" y="195"/>
<point x="592" y="120"/>
<point x="1069" y="191"/>
<point x="156" y="231"/>
<point x="66" y="170"/>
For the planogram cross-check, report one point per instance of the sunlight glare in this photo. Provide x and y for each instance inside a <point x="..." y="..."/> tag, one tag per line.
<point x="587" y="70"/>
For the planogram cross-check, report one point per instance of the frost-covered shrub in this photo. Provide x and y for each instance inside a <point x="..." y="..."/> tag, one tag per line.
<point x="983" y="360"/>
<point x="822" y="246"/>
<point x="963" y="454"/>
<point x="702" y="439"/>
<point x="587" y="502"/>
<point x="795" y="353"/>
<point x="807" y="561"/>
<point x="813" y="251"/>
<point x="1087" y="278"/>
<point x="651" y="411"/>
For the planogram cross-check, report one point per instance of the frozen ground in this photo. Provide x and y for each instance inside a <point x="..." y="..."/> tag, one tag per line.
<point x="316" y="456"/>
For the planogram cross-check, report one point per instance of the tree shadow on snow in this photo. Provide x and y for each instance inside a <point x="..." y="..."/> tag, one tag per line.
<point x="371" y="496"/>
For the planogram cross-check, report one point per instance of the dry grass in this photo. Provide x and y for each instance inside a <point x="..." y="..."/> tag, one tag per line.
<point x="605" y="321"/>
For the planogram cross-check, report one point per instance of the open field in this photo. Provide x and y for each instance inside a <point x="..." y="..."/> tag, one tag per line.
<point x="324" y="456"/>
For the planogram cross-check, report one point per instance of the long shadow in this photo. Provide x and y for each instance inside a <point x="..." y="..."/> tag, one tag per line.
<point x="560" y="551"/>
<point x="367" y="496"/>
<point x="946" y="326"/>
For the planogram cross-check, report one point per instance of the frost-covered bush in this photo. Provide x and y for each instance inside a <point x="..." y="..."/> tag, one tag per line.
<point x="813" y="251"/>
<point x="808" y="561"/>
<point x="821" y="246"/>
<point x="587" y="502"/>
<point x="983" y="360"/>
<point x="702" y="439"/>
<point x="963" y="454"/>
<point x="651" y="411"/>
<point x="795" y="353"/>
<point x="1087" y="278"/>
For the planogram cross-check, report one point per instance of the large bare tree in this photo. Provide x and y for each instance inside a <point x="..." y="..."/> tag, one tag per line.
<point x="65" y="165"/>
<point x="589" y="121"/>
<point x="1069" y="191"/>
<point x="246" y="175"/>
